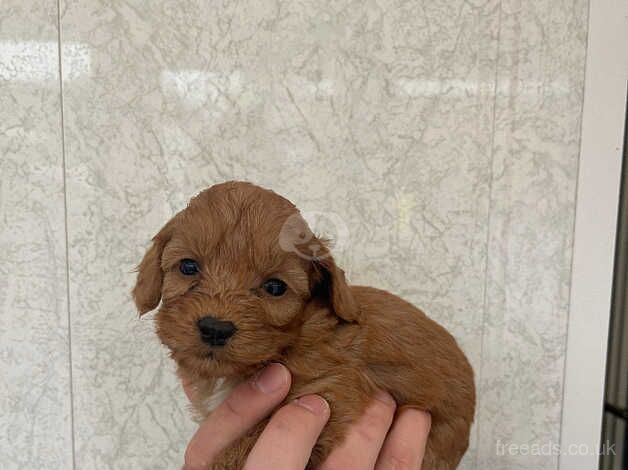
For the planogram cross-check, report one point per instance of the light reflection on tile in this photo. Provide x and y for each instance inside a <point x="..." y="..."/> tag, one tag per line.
<point x="460" y="88"/>
<point x="196" y="87"/>
<point x="38" y="61"/>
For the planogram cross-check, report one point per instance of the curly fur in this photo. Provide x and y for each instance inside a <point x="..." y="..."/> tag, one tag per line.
<point x="340" y="341"/>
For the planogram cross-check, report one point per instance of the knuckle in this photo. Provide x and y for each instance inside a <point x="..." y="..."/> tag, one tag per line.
<point x="337" y="463"/>
<point x="374" y="423"/>
<point x="385" y="400"/>
<point x="282" y="423"/>
<point x="232" y="409"/>
<point x="379" y="413"/>
<point x="421" y="418"/>
<point x="193" y="462"/>
<point x="402" y="459"/>
<point x="371" y="433"/>
<point x="292" y="421"/>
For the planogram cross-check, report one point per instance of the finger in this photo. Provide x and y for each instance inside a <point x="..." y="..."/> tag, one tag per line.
<point x="365" y="437"/>
<point x="404" y="447"/>
<point x="246" y="405"/>
<point x="287" y="441"/>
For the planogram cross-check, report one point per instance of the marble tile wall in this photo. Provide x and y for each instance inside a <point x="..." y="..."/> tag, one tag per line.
<point x="35" y="403"/>
<point x="534" y="171"/>
<point x="437" y="141"/>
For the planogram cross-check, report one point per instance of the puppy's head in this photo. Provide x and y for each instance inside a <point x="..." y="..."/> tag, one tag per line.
<point x="235" y="272"/>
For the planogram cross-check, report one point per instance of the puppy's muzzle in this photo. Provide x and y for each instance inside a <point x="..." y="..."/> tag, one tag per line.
<point x="215" y="332"/>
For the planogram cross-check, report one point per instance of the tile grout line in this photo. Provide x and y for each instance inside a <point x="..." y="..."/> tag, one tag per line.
<point x="67" y="244"/>
<point x="488" y="238"/>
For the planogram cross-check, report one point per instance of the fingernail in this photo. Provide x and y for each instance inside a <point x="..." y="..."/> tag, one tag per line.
<point x="314" y="404"/>
<point x="385" y="397"/>
<point x="271" y="379"/>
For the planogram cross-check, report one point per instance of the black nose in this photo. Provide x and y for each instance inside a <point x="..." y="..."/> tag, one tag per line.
<point x="215" y="332"/>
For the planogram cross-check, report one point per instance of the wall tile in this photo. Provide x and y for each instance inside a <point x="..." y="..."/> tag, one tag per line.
<point x="536" y="143"/>
<point x="35" y="404"/>
<point x="376" y="119"/>
<point x="376" y="116"/>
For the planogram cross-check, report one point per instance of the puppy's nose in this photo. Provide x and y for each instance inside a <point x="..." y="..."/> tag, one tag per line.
<point x="215" y="332"/>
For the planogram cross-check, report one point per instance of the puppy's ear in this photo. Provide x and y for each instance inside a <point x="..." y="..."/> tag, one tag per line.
<point x="147" y="290"/>
<point x="331" y="281"/>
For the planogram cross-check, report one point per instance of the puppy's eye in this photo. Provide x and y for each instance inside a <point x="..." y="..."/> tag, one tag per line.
<point x="189" y="267"/>
<point x="275" y="287"/>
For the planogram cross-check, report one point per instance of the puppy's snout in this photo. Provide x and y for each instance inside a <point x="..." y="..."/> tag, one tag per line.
<point x="215" y="332"/>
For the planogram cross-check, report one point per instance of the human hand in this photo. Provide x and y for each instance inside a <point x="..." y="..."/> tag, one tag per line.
<point x="374" y="441"/>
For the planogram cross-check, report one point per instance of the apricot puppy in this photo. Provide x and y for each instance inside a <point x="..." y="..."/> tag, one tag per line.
<point x="243" y="281"/>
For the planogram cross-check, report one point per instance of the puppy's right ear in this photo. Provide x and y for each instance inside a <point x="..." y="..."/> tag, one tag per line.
<point x="147" y="290"/>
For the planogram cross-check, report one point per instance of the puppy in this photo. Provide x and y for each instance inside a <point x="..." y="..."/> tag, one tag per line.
<point x="242" y="282"/>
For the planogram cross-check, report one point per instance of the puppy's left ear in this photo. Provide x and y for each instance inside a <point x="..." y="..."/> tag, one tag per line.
<point x="331" y="279"/>
<point x="147" y="290"/>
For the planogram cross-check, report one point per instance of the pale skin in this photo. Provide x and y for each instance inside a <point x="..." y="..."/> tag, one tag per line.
<point x="380" y="439"/>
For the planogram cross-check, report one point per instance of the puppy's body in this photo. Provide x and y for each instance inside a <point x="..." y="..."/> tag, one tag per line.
<point x="338" y="341"/>
<point x="396" y="348"/>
